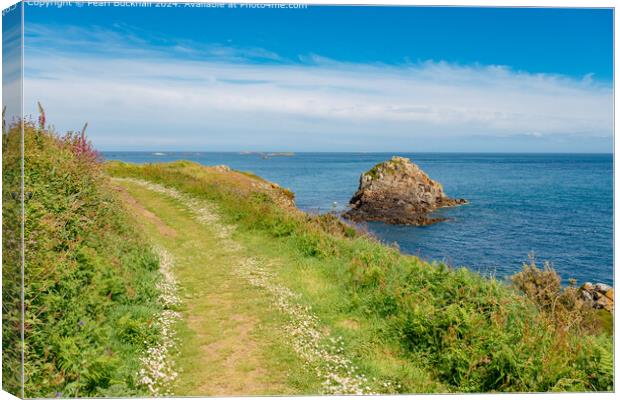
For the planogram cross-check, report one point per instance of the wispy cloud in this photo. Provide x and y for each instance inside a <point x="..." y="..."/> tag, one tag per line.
<point x="210" y="96"/>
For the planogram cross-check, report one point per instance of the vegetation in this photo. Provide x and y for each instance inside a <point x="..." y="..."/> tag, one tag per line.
<point x="11" y="258"/>
<point x="90" y="277"/>
<point x="91" y="290"/>
<point x="425" y="326"/>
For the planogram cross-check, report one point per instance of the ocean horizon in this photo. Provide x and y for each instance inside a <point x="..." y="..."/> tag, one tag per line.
<point x="557" y="207"/>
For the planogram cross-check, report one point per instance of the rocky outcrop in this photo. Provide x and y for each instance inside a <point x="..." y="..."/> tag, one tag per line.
<point x="398" y="192"/>
<point x="600" y="294"/>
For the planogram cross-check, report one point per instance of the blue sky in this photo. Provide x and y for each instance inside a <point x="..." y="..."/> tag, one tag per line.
<point x="325" y="78"/>
<point x="11" y="56"/>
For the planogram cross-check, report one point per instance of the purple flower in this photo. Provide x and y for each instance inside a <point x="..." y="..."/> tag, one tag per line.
<point x="81" y="323"/>
<point x="58" y="394"/>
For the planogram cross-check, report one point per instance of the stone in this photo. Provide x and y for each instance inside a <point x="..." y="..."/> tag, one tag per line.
<point x="601" y="287"/>
<point x="588" y="286"/>
<point x="586" y="296"/>
<point x="397" y="191"/>
<point x="602" y="302"/>
<point x="600" y="294"/>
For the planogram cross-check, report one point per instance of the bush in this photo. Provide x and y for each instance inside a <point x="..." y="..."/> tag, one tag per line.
<point x="562" y="306"/>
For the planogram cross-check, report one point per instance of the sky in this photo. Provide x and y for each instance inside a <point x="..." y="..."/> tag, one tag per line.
<point x="12" y="67"/>
<point x="325" y="78"/>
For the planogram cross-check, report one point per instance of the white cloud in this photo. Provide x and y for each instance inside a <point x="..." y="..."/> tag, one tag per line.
<point x="224" y="99"/>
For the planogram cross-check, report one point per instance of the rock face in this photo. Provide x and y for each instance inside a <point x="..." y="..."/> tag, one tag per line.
<point x="398" y="192"/>
<point x="601" y="295"/>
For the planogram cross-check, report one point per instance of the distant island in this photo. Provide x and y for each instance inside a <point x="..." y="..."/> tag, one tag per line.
<point x="265" y="155"/>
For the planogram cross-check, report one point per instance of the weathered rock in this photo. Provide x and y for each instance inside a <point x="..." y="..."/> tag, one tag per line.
<point x="600" y="294"/>
<point x="398" y="192"/>
<point x="586" y="296"/>
<point x="588" y="287"/>
<point x="601" y="287"/>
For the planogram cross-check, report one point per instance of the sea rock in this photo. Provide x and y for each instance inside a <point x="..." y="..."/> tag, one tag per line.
<point x="600" y="294"/>
<point x="398" y="192"/>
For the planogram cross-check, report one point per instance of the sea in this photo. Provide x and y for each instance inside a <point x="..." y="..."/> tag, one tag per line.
<point x="556" y="208"/>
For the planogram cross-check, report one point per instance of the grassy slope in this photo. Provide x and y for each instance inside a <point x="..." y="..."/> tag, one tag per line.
<point x="89" y="280"/>
<point x="426" y="327"/>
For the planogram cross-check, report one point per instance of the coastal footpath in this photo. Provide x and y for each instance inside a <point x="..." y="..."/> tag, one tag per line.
<point x="182" y="279"/>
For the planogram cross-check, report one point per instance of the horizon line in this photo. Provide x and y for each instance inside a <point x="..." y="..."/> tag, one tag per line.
<point x="254" y="152"/>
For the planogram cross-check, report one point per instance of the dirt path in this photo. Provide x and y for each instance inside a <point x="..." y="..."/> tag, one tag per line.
<point x="226" y="342"/>
<point x="244" y="332"/>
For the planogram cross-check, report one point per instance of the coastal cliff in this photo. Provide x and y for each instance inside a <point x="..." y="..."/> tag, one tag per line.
<point x="397" y="191"/>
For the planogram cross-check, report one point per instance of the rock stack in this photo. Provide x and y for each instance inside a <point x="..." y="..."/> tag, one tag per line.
<point x="398" y="192"/>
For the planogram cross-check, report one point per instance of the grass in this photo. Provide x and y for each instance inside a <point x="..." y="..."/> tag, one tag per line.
<point x="427" y="327"/>
<point x="90" y="276"/>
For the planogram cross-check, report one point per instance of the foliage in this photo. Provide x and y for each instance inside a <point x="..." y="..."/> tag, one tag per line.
<point x="11" y="257"/>
<point x="563" y="306"/>
<point x="90" y="277"/>
<point x="468" y="333"/>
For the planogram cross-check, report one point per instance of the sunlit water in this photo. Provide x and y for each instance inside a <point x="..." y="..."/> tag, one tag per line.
<point x="559" y="207"/>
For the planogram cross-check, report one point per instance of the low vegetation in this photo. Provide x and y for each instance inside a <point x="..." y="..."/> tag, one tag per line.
<point x="447" y="329"/>
<point x="90" y="278"/>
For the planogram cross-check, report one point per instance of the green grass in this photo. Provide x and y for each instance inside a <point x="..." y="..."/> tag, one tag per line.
<point x="426" y="326"/>
<point x="89" y="275"/>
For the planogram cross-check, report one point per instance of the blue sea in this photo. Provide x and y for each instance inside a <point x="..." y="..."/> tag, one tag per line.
<point x="558" y="207"/>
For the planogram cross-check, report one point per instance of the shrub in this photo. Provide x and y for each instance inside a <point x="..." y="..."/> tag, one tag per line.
<point x="563" y="306"/>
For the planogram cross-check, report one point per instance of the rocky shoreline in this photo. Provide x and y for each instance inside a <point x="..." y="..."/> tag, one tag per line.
<point x="397" y="191"/>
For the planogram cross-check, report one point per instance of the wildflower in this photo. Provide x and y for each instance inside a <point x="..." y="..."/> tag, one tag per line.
<point x="157" y="368"/>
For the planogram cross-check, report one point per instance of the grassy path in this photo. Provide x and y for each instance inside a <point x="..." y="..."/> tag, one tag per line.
<point x="230" y="340"/>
